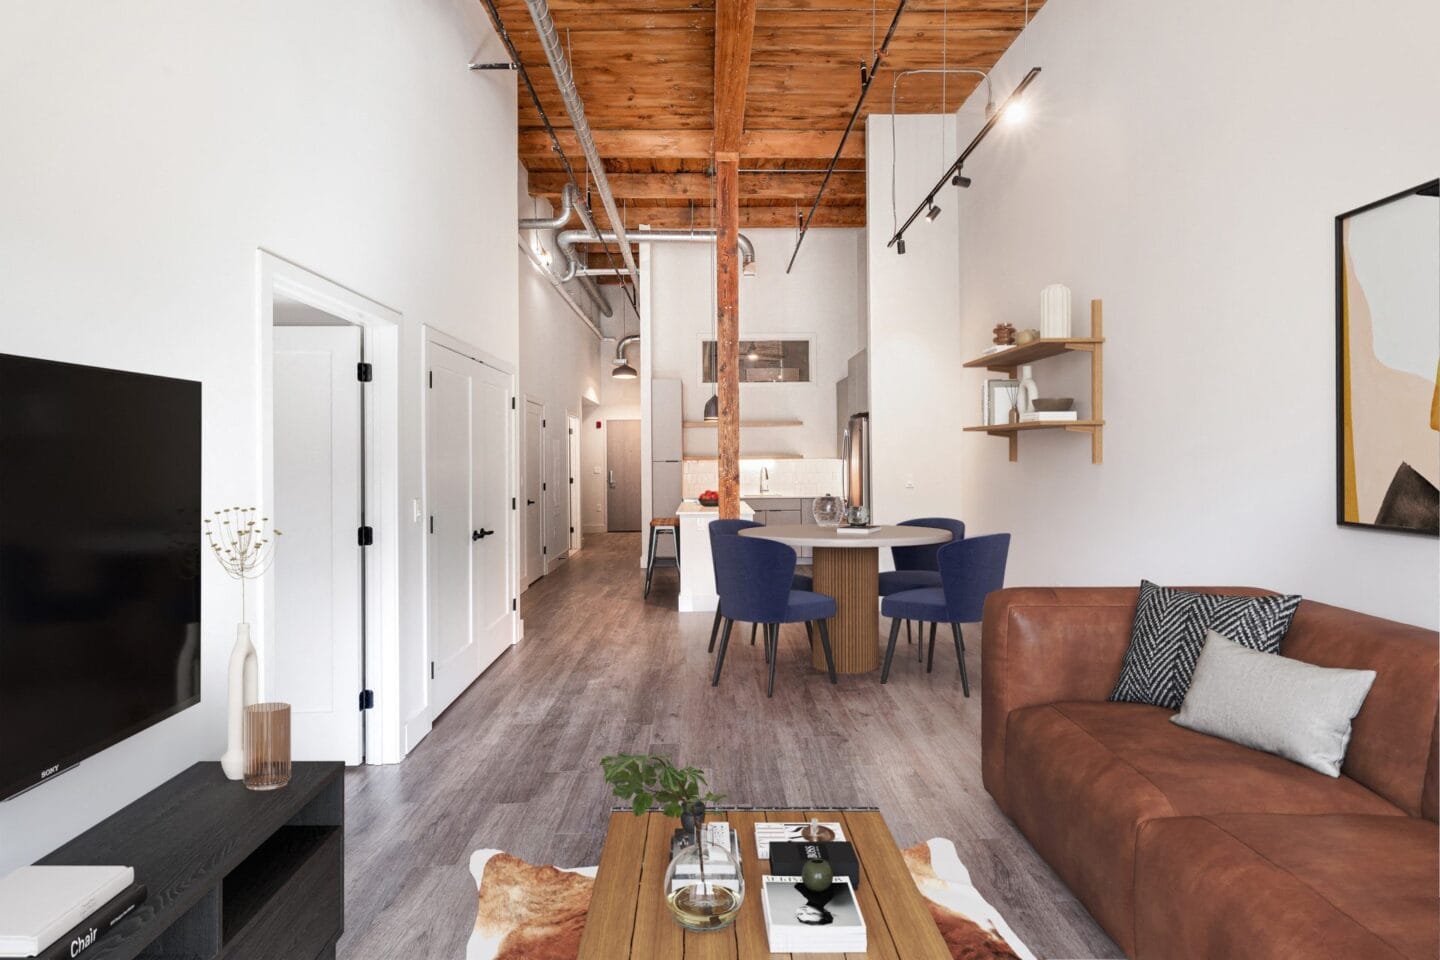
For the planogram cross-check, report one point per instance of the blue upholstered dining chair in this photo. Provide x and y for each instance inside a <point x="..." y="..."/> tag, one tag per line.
<point x="969" y="571"/>
<point x="730" y="528"/>
<point x="754" y="578"/>
<point x="919" y="566"/>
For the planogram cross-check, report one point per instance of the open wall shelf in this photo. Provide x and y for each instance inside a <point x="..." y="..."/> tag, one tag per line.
<point x="1010" y="361"/>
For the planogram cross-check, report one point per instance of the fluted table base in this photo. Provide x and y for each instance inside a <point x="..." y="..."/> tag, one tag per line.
<point x="852" y="576"/>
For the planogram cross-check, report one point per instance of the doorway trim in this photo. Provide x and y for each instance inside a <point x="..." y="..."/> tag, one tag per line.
<point x="526" y="399"/>
<point x="380" y="335"/>
<point x="572" y="470"/>
<point x="418" y="724"/>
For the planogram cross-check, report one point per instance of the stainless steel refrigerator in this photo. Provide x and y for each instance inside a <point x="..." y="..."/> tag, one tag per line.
<point x="855" y="451"/>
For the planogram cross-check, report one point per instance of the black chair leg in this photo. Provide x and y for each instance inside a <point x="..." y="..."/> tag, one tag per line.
<point x="772" y="641"/>
<point x="960" y="653"/>
<point x="809" y="634"/>
<point x="930" y="662"/>
<point x="720" y="658"/>
<point x="909" y="637"/>
<point x="650" y="561"/>
<point x="890" y="650"/>
<point x="920" y="649"/>
<point x="825" y="643"/>
<point x="714" y="631"/>
<point x="752" y="634"/>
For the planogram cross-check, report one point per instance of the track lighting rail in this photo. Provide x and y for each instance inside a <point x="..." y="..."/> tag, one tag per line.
<point x="953" y="175"/>
<point x="867" y="76"/>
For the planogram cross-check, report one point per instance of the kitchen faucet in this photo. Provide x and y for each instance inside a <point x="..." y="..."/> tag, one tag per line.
<point x="764" y="479"/>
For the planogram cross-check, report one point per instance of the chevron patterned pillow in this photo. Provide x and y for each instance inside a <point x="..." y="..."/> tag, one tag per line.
<point x="1169" y="633"/>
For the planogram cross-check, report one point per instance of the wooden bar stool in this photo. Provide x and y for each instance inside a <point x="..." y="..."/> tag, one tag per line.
<point x="659" y="525"/>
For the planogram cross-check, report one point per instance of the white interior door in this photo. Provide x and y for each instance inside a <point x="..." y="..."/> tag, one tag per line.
<point x="573" y="470"/>
<point x="533" y="501"/>
<point x="318" y="641"/>
<point x="557" y="498"/>
<point x="468" y="437"/>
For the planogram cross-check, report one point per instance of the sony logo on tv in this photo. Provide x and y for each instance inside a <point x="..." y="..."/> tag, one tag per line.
<point x="49" y="771"/>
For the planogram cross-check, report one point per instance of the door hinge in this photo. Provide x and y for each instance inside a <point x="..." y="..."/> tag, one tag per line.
<point x="432" y="523"/>
<point x="367" y="699"/>
<point x="366" y="536"/>
<point x="512" y="503"/>
<point x="364" y="372"/>
<point x="544" y="486"/>
<point x="544" y="422"/>
<point x="544" y="550"/>
<point x="432" y="379"/>
<point x="513" y="605"/>
<point x="572" y="479"/>
<point x="572" y="529"/>
<point x="512" y="403"/>
<point x="432" y="669"/>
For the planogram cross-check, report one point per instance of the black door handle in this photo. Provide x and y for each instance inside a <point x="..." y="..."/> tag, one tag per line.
<point x="480" y="534"/>
<point x="529" y="503"/>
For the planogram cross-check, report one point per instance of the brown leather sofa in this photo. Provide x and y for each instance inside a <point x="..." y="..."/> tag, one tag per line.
<point x="1185" y="845"/>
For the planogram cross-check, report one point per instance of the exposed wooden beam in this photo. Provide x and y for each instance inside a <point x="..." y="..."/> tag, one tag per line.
<point x="681" y="218"/>
<point x="727" y="339"/>
<point x="696" y="144"/>
<point x="734" y="33"/>
<point x="697" y="186"/>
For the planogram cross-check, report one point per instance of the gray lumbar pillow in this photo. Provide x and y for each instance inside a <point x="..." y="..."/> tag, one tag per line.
<point x="1286" y="707"/>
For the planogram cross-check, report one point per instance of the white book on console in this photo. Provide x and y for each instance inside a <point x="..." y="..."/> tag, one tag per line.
<point x="1049" y="416"/>
<point x="40" y="904"/>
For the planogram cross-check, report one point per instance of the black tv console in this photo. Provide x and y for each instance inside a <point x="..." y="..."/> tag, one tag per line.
<point x="232" y="873"/>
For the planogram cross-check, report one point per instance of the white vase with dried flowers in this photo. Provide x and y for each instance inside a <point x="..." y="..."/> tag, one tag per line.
<point x="244" y="545"/>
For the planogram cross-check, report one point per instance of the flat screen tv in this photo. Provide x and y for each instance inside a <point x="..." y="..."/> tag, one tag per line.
<point x="99" y="561"/>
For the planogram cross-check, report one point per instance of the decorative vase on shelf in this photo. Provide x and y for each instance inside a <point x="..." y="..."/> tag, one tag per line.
<point x="1028" y="391"/>
<point x="243" y="690"/>
<point x="1055" y="311"/>
<point x="704" y="887"/>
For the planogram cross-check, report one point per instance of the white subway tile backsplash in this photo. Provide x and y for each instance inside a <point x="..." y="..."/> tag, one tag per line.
<point x="789" y="478"/>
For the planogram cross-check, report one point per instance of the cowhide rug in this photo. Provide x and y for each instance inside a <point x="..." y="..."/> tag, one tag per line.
<point x="530" y="912"/>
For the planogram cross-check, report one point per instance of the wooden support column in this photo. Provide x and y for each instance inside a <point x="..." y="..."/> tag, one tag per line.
<point x="727" y="325"/>
<point x="734" y="34"/>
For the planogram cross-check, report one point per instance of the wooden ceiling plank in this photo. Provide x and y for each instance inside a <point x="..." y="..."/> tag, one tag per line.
<point x="698" y="186"/>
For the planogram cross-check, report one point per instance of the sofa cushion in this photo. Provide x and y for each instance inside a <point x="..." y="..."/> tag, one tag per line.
<point x="1169" y="633"/>
<point x="1265" y="886"/>
<point x="1081" y="777"/>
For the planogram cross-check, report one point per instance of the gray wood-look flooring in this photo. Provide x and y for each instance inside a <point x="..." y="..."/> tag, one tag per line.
<point x="514" y="764"/>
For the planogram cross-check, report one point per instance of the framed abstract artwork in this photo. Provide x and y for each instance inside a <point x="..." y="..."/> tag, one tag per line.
<point x="1387" y="317"/>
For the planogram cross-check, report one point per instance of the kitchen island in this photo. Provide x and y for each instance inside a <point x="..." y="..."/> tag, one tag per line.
<point x="697" y="572"/>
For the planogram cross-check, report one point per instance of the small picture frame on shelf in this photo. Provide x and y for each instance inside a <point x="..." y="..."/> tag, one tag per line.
<point x="999" y="398"/>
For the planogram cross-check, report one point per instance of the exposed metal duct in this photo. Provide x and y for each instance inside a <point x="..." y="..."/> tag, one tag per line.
<point x="565" y="80"/>
<point x="567" y="240"/>
<point x="558" y="222"/>
<point x="539" y="265"/>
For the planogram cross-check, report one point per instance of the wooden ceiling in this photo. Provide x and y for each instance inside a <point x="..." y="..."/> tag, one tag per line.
<point x="646" y="72"/>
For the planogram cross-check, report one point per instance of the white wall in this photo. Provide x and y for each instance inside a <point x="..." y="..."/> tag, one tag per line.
<point x="150" y="151"/>
<point x="916" y="400"/>
<point x="822" y="299"/>
<point x="1185" y="164"/>
<point x="559" y="354"/>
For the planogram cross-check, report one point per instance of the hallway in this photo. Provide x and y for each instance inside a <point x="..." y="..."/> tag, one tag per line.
<point x="514" y="763"/>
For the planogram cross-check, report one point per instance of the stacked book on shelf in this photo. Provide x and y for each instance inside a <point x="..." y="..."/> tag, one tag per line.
<point x="1050" y="416"/>
<point x="49" y="912"/>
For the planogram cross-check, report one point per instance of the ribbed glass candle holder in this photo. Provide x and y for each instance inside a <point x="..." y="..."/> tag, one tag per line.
<point x="267" y="746"/>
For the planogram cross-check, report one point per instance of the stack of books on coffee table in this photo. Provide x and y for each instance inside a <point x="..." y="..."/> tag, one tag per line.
<point x="799" y="921"/>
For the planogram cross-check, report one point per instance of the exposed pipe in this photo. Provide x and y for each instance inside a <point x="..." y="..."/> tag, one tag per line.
<point x="519" y="66"/>
<point x="596" y="297"/>
<point x="568" y="196"/>
<point x="575" y="107"/>
<point x="866" y="78"/>
<point x="567" y="239"/>
<point x="621" y="344"/>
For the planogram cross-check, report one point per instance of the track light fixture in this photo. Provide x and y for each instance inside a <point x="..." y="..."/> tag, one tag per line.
<point x="953" y="175"/>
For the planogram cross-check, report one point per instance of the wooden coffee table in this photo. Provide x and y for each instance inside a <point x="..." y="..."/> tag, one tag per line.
<point x="628" y="917"/>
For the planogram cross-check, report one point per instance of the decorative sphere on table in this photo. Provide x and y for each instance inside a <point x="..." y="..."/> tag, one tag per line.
<point x="817" y="875"/>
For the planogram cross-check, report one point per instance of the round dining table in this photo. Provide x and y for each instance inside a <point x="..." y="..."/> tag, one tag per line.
<point x="847" y="567"/>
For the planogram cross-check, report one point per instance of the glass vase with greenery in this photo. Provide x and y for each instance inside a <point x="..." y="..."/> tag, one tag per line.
<point x="703" y="885"/>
